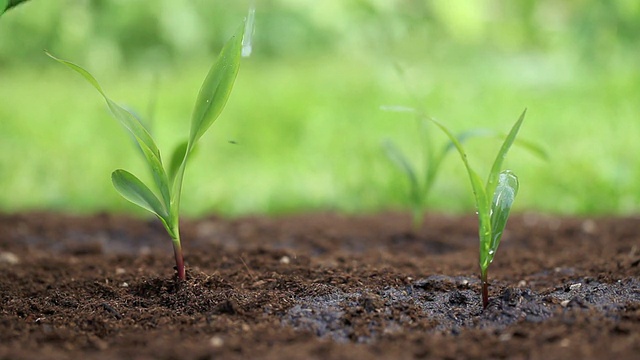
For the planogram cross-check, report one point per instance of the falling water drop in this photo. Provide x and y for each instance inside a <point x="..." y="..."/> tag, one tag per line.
<point x="249" y="28"/>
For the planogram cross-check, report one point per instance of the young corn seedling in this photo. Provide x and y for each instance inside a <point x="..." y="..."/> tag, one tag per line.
<point x="420" y="185"/>
<point x="164" y="202"/>
<point x="493" y="200"/>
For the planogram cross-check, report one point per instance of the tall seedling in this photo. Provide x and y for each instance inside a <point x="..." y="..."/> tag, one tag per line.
<point x="164" y="202"/>
<point x="493" y="200"/>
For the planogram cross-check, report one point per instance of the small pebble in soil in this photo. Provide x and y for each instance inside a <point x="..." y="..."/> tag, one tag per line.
<point x="285" y="260"/>
<point x="9" y="258"/>
<point x="589" y="227"/>
<point x="575" y="286"/>
<point x="216" y="341"/>
<point x="120" y="271"/>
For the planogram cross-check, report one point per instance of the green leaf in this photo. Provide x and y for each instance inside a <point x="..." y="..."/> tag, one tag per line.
<point x="476" y="183"/>
<point x="211" y="99"/>
<point x="216" y="87"/>
<point x="481" y="197"/>
<point x="135" y="127"/>
<point x="436" y="161"/>
<point x="503" y="199"/>
<point x="132" y="189"/>
<point x="128" y="120"/>
<point x="506" y="145"/>
<point x="485" y="230"/>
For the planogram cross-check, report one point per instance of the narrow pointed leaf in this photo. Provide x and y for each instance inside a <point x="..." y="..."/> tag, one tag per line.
<point x="128" y="120"/>
<point x="135" y="127"/>
<point x="211" y="99"/>
<point x="147" y="145"/>
<point x="134" y="190"/>
<point x="502" y="153"/>
<point x="216" y="87"/>
<point x="481" y="198"/>
<point x="436" y="161"/>
<point x="503" y="199"/>
<point x="476" y="183"/>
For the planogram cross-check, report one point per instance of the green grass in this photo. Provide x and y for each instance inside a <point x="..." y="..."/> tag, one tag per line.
<point x="307" y="135"/>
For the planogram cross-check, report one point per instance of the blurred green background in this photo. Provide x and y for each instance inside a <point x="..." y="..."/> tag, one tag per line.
<point x="303" y="128"/>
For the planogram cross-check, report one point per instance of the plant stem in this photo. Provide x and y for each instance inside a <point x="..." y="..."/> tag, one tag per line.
<point x="177" y="250"/>
<point x="485" y="289"/>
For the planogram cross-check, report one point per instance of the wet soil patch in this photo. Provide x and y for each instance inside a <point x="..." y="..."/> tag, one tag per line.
<point x="317" y="286"/>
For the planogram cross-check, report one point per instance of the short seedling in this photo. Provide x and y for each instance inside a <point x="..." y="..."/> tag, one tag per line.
<point x="420" y="185"/>
<point x="168" y="177"/>
<point x="493" y="200"/>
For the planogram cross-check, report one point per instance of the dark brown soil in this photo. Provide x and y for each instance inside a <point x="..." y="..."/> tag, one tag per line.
<point x="317" y="286"/>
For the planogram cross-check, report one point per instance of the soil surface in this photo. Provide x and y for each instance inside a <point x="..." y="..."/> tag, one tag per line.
<point x="317" y="286"/>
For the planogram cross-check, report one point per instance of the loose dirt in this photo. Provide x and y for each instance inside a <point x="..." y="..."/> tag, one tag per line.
<point x="317" y="286"/>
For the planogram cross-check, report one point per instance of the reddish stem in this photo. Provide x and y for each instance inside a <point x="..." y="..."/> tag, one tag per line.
<point x="177" y="250"/>
<point x="485" y="290"/>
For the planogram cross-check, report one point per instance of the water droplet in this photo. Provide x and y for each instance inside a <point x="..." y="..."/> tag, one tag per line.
<point x="249" y="28"/>
<point x="491" y="252"/>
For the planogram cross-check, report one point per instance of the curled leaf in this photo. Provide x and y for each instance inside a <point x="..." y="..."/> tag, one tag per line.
<point x="502" y="153"/>
<point x="503" y="199"/>
<point x="134" y="190"/>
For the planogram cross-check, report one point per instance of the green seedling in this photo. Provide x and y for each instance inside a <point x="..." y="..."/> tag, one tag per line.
<point x="493" y="200"/>
<point x="420" y="185"/>
<point x="164" y="202"/>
